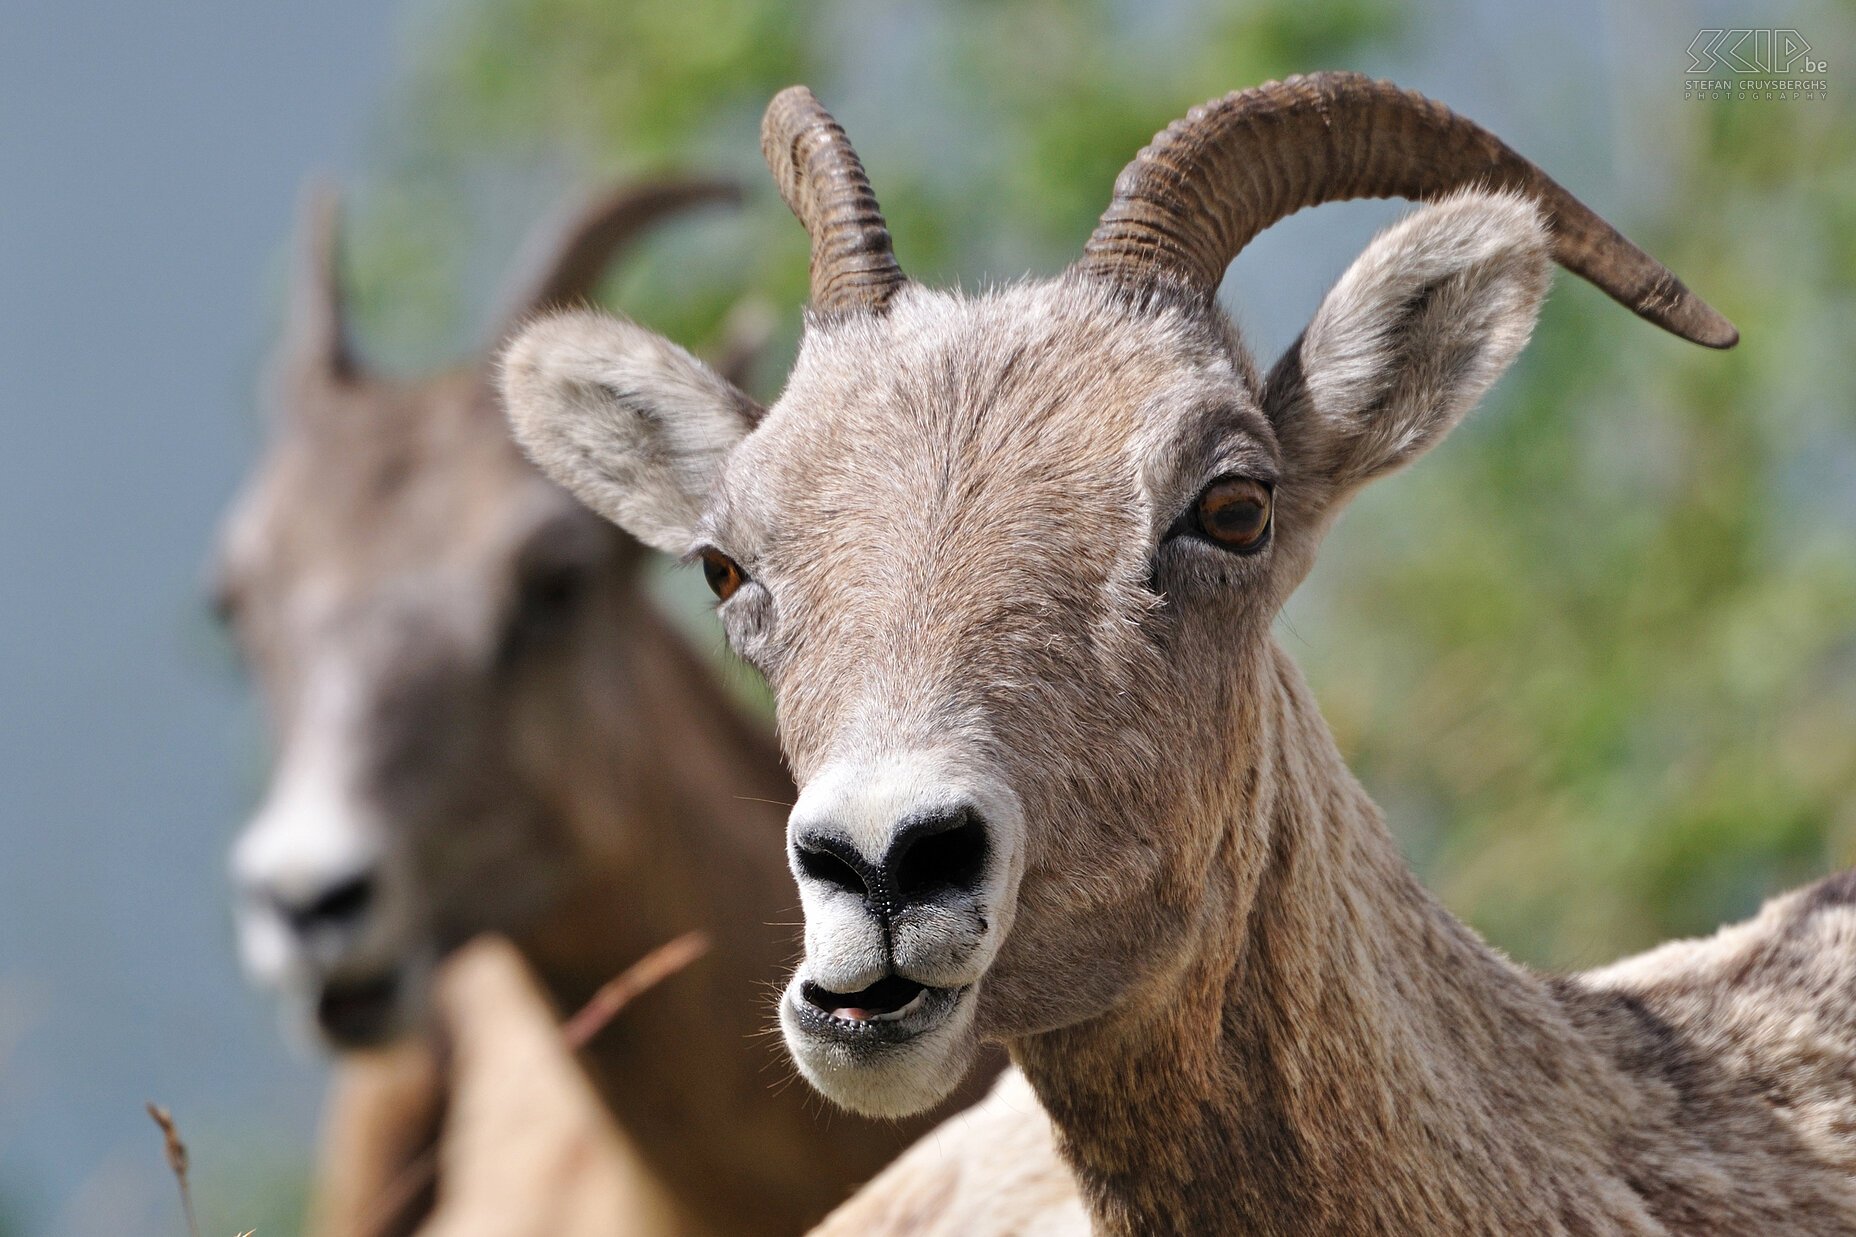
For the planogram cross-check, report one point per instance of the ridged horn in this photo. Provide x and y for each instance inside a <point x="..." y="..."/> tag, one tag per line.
<point x="818" y="173"/>
<point x="1210" y="182"/>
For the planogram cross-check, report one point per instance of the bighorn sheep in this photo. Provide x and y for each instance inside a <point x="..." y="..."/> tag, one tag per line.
<point x="1740" y="996"/>
<point x="485" y="725"/>
<point x="1010" y="562"/>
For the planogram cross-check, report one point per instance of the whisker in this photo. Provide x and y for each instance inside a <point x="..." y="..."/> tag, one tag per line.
<point x="769" y="802"/>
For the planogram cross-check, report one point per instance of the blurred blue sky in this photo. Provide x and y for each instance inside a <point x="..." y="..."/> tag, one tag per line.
<point x="151" y="154"/>
<point x="150" y="157"/>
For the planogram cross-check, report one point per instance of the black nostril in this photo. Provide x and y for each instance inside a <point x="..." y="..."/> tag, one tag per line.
<point x="339" y="904"/>
<point x="933" y="854"/>
<point x="831" y="862"/>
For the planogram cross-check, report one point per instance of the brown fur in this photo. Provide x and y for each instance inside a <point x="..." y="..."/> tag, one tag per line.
<point x="1744" y="998"/>
<point x="577" y="778"/>
<point x="991" y="1171"/>
<point x="1193" y="930"/>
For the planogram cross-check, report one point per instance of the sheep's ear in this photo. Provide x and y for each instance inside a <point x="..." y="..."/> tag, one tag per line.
<point x="630" y="424"/>
<point x="1420" y="326"/>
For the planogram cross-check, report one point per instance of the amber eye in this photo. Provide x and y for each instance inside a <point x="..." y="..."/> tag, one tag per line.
<point x="1234" y="512"/>
<point x="722" y="573"/>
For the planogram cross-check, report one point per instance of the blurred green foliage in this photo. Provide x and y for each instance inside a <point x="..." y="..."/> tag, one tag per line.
<point x="240" y="1188"/>
<point x="1605" y="647"/>
<point x="1036" y="103"/>
<point x="1597" y="658"/>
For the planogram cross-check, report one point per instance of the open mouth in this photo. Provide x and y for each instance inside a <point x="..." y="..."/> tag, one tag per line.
<point x="357" y="1013"/>
<point x="890" y="999"/>
<point x="892" y="1009"/>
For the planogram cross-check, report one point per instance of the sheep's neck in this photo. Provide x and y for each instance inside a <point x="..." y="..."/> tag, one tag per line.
<point x="1340" y="1055"/>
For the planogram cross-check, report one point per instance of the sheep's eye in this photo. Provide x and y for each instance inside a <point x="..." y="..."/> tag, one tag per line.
<point x="722" y="572"/>
<point x="549" y="595"/>
<point x="1234" y="512"/>
<point x="547" y="598"/>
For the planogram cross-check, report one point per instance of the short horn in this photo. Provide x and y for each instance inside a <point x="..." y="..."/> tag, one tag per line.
<point x="315" y="330"/>
<point x="853" y="263"/>
<point x="563" y="262"/>
<point x="1212" y="181"/>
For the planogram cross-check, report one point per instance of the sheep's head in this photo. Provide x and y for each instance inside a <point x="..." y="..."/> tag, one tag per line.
<point x="428" y="619"/>
<point x="1010" y="561"/>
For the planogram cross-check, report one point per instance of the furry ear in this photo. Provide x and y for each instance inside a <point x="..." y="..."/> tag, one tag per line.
<point x="630" y="424"/>
<point x="1420" y="326"/>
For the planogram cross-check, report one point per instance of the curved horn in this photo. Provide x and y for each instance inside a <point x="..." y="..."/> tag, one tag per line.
<point x="853" y="264"/>
<point x="564" y="259"/>
<point x="1209" y="183"/>
<point x="315" y="328"/>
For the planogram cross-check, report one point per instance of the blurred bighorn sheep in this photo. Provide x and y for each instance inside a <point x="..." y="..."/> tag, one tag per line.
<point x="1010" y="562"/>
<point x="484" y="724"/>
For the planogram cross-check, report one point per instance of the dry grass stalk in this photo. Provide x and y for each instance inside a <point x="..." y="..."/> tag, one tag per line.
<point x="641" y="976"/>
<point x="177" y="1161"/>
